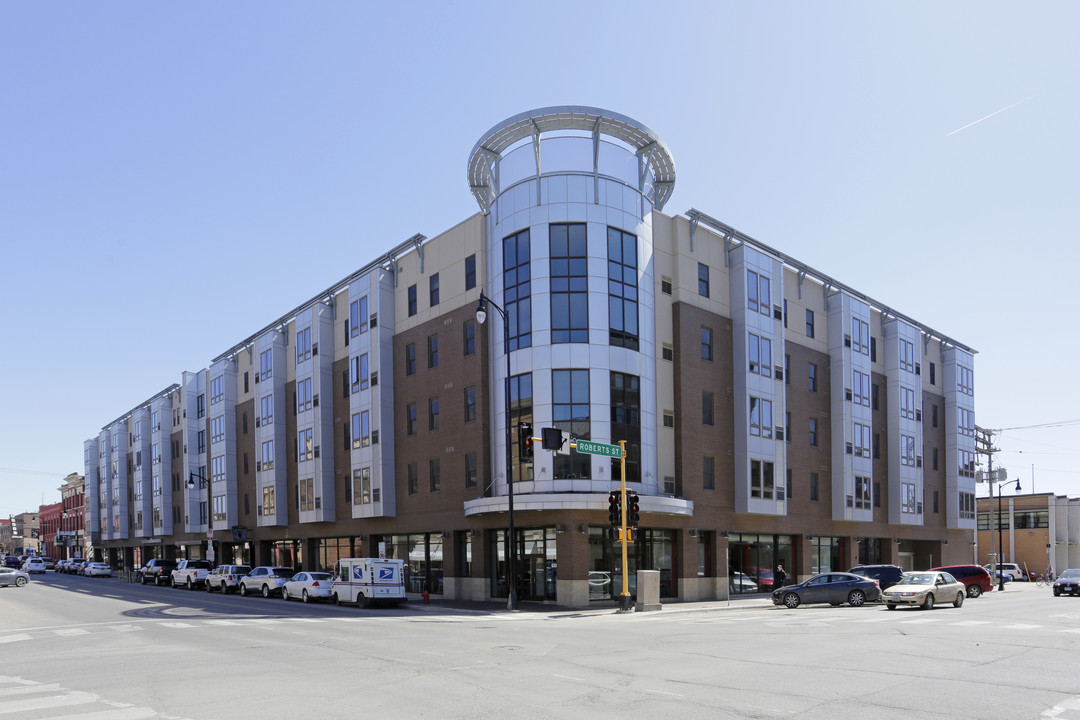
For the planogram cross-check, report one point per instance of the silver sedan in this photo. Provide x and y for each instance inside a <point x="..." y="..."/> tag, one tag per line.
<point x="11" y="576"/>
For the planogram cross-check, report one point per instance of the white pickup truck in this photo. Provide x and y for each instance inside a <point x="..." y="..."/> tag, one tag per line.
<point x="190" y="573"/>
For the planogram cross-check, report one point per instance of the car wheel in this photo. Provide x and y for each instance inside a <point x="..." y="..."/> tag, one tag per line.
<point x="209" y="587"/>
<point x="974" y="591"/>
<point x="20" y="582"/>
<point x="792" y="600"/>
<point x="189" y="585"/>
<point x="143" y="580"/>
<point x="959" y="600"/>
<point x="243" y="589"/>
<point x="891" y="606"/>
<point x="1057" y="593"/>
<point x="284" y="593"/>
<point x="305" y="597"/>
<point x="334" y="599"/>
<point x="928" y="603"/>
<point x="266" y="591"/>
<point x="856" y="598"/>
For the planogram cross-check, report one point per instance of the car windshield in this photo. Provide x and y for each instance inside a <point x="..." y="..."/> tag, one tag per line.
<point x="918" y="579"/>
<point x="1070" y="574"/>
<point x="320" y="576"/>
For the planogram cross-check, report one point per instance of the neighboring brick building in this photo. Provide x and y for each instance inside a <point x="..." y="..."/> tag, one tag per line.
<point x="772" y="413"/>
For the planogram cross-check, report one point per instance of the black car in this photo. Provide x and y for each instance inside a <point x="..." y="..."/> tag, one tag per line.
<point x="886" y="575"/>
<point x="1068" y="583"/>
<point x="157" y="571"/>
<point x="12" y="561"/>
<point x="834" y="588"/>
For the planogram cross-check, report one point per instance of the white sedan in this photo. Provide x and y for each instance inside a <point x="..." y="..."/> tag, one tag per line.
<point x="97" y="568"/>
<point x="308" y="586"/>
<point x="924" y="589"/>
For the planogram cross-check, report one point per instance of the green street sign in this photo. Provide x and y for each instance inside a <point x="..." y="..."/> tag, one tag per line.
<point x="591" y="448"/>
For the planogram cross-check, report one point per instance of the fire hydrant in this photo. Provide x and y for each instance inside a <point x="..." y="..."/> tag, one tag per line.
<point x="426" y="597"/>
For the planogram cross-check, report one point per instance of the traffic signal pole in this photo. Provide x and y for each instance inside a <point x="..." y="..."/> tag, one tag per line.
<point x="624" y="598"/>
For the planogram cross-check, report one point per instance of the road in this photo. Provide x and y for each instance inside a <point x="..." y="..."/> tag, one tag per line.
<point x="73" y="647"/>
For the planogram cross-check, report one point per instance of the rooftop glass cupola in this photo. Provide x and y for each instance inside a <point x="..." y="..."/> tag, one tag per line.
<point x="570" y="139"/>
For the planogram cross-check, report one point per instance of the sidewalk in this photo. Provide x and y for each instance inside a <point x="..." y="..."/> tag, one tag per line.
<point x="498" y="607"/>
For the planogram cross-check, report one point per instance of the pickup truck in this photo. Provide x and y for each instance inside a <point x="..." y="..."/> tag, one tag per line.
<point x="190" y="573"/>
<point x="155" y="571"/>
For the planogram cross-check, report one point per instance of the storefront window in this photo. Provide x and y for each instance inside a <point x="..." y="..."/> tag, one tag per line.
<point x="752" y="562"/>
<point x="423" y="556"/>
<point x="827" y="554"/>
<point x="537" y="570"/>
<point x="655" y="550"/>
<point x="329" y="550"/>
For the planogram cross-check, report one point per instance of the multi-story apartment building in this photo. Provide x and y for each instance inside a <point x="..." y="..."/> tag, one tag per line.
<point x="772" y="414"/>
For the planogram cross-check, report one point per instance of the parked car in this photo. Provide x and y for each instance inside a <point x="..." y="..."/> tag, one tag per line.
<point x="834" y="588"/>
<point x="12" y="576"/>
<point x="308" y="586"/>
<point x="886" y="575"/>
<point x="157" y="571"/>
<point x="34" y="565"/>
<point x="265" y="579"/>
<point x="975" y="578"/>
<point x="77" y="567"/>
<point x="12" y="561"/>
<point x="50" y="564"/>
<point x="226" y="578"/>
<point x="97" y="569"/>
<point x="1012" y="570"/>
<point x="739" y="583"/>
<point x="925" y="589"/>
<point x="190" y="573"/>
<point x="1068" y="583"/>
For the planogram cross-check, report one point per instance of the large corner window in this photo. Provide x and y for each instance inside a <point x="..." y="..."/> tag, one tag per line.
<point x="622" y="289"/>
<point x="517" y="289"/>
<point x="521" y="410"/>
<point x="569" y="283"/>
<point x="626" y="424"/>
<point x="570" y="395"/>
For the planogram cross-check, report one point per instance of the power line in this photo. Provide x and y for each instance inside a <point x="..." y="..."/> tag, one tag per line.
<point x="1063" y="423"/>
<point x="16" y="471"/>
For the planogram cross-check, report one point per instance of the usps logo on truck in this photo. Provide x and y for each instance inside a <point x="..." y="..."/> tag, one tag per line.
<point x="358" y="572"/>
<point x="386" y="573"/>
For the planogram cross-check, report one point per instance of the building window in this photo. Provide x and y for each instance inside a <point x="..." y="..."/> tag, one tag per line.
<point x="907" y="356"/>
<point x="217" y="434"/>
<point x="708" y="473"/>
<point x="200" y="439"/>
<point x="622" y="289"/>
<point x="413" y="479"/>
<point x="760" y="351"/>
<point x="569" y="283"/>
<point x="935" y="458"/>
<point x="360" y="373"/>
<point x="809" y="323"/>
<point x="907" y="402"/>
<point x="860" y="388"/>
<point x="862" y="493"/>
<point x="762" y="482"/>
<point x="860" y="336"/>
<point x="965" y="380"/>
<point x="303" y="395"/>
<point x="410" y="419"/>
<point x="761" y="417"/>
<point x="412" y="300"/>
<point x="706" y="407"/>
<point x="470" y="272"/>
<point x="812" y="377"/>
<point x="470" y="404"/>
<point x="571" y="398"/>
<point x="469" y="337"/>
<point x="433" y="351"/>
<point x="907" y="492"/>
<point x="813" y="487"/>
<point x="433" y="290"/>
<point x="433" y="413"/>
<point x="966" y="422"/>
<point x="758" y="293"/>
<point x="706" y="344"/>
<point x="907" y="450"/>
<point x="861" y="440"/>
<point x="703" y="280"/>
<point x="626" y="424"/>
<point x="410" y="359"/>
<point x="813" y="432"/>
<point x="306" y="494"/>
<point x="266" y="365"/>
<point x="434" y="475"/>
<point x="517" y="289"/>
<point x="266" y="410"/>
<point x="933" y="374"/>
<point x="217" y="394"/>
<point x="471" y="474"/>
<point x="358" y="316"/>
<point x="267" y="462"/>
<point x="303" y="345"/>
<point x="305" y="444"/>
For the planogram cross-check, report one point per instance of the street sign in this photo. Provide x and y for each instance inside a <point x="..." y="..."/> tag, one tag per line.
<point x="591" y="448"/>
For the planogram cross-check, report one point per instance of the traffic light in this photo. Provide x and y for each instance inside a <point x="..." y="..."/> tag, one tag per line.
<point x="525" y="442"/>
<point x="633" y="514"/>
<point x="614" y="502"/>
<point x="551" y="439"/>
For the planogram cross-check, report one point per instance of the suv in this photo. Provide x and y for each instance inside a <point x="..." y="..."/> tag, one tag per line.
<point x="13" y="561"/>
<point x="886" y="575"/>
<point x="975" y="578"/>
<point x="226" y="578"/>
<point x="34" y="565"/>
<point x="190" y="573"/>
<point x="265" y="579"/>
<point x="157" y="570"/>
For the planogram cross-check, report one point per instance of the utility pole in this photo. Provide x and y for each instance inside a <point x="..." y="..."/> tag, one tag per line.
<point x="984" y="445"/>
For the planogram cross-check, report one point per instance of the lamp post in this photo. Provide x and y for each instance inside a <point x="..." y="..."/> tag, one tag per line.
<point x="1001" y="547"/>
<point x="192" y="476"/>
<point x="511" y="569"/>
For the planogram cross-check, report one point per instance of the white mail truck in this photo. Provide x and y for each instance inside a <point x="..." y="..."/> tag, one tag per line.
<point x="367" y="581"/>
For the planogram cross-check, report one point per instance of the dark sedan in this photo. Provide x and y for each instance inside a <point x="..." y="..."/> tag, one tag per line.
<point x="834" y="588"/>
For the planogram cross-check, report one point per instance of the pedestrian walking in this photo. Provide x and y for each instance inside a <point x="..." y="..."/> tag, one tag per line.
<point x="780" y="576"/>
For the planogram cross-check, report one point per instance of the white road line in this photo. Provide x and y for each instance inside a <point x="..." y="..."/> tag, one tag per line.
<point x="28" y="689"/>
<point x="919" y="621"/>
<point x="125" y="628"/>
<point x="14" y="638"/>
<point x="1020" y="627"/>
<point x="65" y="632"/>
<point x="73" y="697"/>
<point x="970" y="623"/>
<point x="177" y="624"/>
<point x="222" y="622"/>
<point x="129" y="713"/>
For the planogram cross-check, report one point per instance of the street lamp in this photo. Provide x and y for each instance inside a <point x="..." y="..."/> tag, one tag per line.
<point x="1001" y="547"/>
<point x="511" y="571"/>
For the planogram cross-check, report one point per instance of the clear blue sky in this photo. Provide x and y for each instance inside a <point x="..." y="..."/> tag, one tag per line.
<point x="173" y="176"/>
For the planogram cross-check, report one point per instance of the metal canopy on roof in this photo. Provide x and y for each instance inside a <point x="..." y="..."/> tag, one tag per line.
<point x="534" y="123"/>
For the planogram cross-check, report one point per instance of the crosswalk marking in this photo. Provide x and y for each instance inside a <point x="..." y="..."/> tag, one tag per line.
<point x="14" y="638"/>
<point x="21" y="697"/>
<point x="64" y="632"/>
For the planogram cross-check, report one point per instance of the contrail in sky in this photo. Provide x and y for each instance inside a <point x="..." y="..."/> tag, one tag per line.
<point x="990" y="115"/>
